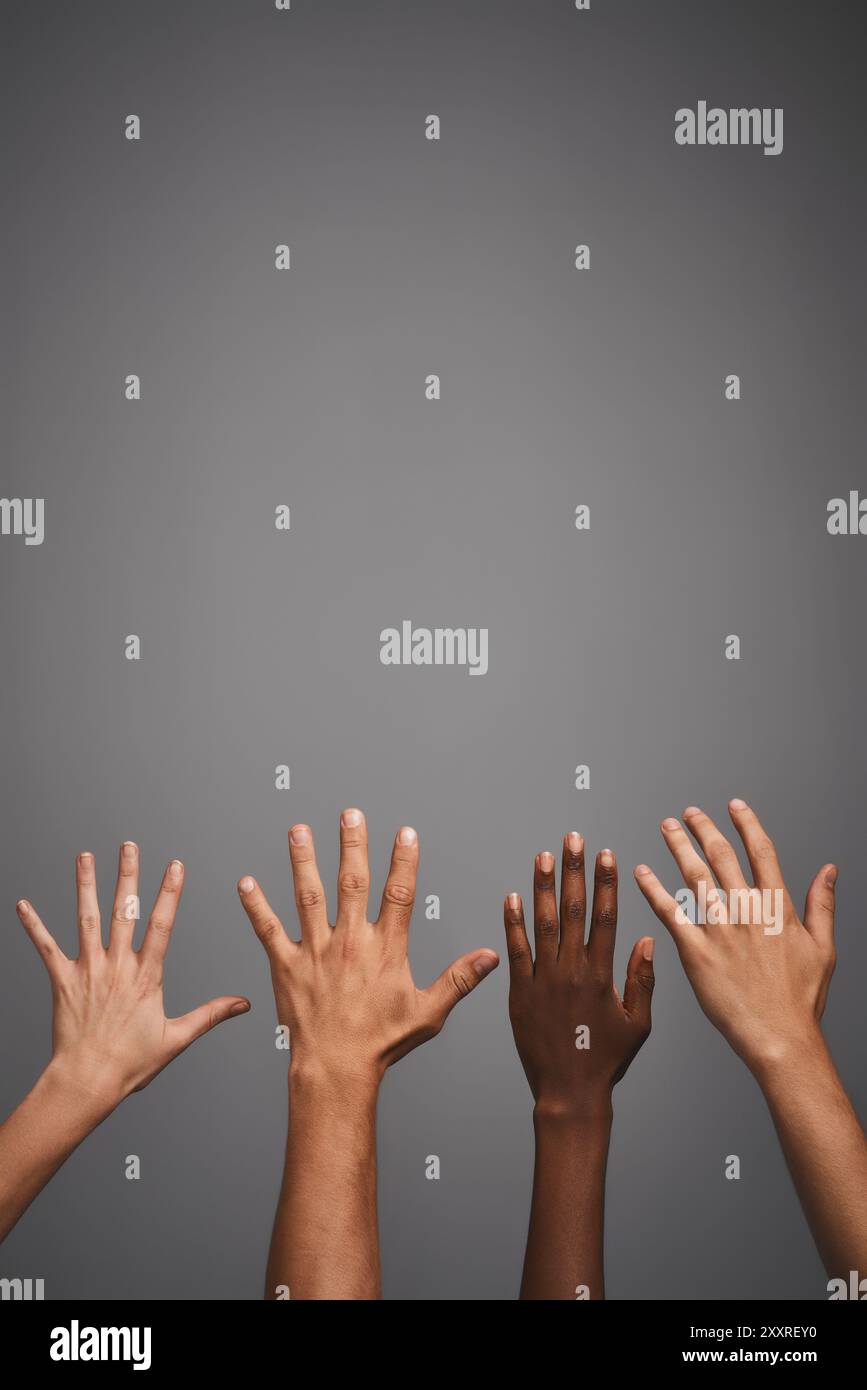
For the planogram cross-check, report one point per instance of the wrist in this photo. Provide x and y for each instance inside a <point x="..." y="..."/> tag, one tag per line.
<point x="76" y="1086"/>
<point x="782" y="1057"/>
<point x="312" y="1082"/>
<point x="586" y="1110"/>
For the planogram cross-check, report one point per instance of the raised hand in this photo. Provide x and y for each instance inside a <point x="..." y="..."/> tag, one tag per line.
<point x="761" y="974"/>
<point x="110" y="1032"/>
<point x="576" y="1037"/>
<point x="346" y="994"/>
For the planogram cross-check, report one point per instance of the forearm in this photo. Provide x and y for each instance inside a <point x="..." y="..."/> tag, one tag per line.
<point x="825" y="1149"/>
<point x="565" y="1241"/>
<point x="325" y="1243"/>
<point x="39" y="1136"/>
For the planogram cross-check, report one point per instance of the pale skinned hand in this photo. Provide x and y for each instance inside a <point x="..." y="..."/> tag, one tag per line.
<point x="346" y="991"/>
<point x="571" y="984"/>
<point x="111" y="1034"/>
<point x="764" y="990"/>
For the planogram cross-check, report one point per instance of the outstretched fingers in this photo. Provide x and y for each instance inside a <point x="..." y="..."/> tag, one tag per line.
<point x="265" y="922"/>
<point x="398" y="895"/>
<point x="640" y="980"/>
<point x="517" y="945"/>
<point x="459" y="980"/>
<point x="309" y="893"/>
<point x="180" y="1032"/>
<point x="51" y="954"/>
<point x="573" y="899"/>
<point x="162" y="920"/>
<point x="667" y="909"/>
<point x="603" y="918"/>
<point x="89" y="935"/>
<point x="353" y="877"/>
<point x="546" y="921"/>
<point x="126" y="910"/>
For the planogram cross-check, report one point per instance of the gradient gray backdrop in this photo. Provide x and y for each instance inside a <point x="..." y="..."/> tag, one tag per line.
<point x="307" y="388"/>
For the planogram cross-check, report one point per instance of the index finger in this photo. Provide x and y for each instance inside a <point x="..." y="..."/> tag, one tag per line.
<point x="398" y="895"/>
<point x="162" y="919"/>
<point x="603" y="920"/>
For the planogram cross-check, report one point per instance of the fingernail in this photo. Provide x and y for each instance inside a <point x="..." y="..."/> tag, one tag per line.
<point x="574" y="841"/>
<point x="241" y="1008"/>
<point x="606" y="859"/>
<point x="85" y="857"/>
<point x="546" y="862"/>
<point x="174" y="871"/>
<point x="692" y="811"/>
<point x="647" y="950"/>
<point x="640" y="870"/>
<point x="483" y="965"/>
<point x="22" y="906"/>
<point x="407" y="836"/>
<point x="246" y="885"/>
<point x="671" y="824"/>
<point x="737" y="804"/>
<point x="514" y="901"/>
<point x="351" y="817"/>
<point x="300" y="835"/>
<point x="129" y="850"/>
<point x="831" y="876"/>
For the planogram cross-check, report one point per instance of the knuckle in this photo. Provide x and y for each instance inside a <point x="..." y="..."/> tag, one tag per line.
<point x="459" y="982"/>
<point x="518" y="953"/>
<point x="310" y="897"/>
<point x="606" y="875"/>
<point x="765" y="850"/>
<point x="576" y="909"/>
<point x="575" y="861"/>
<point x="161" y="925"/>
<point x="399" y="894"/>
<point x="269" y="928"/>
<point x="432" y="1029"/>
<point x="350" y="882"/>
<point x="352" y="839"/>
<point x="546" y="928"/>
<point x="605" y="917"/>
<point x="89" y="922"/>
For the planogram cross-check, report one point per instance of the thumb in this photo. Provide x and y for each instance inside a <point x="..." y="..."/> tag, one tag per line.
<point x="460" y="979"/>
<point x="188" y="1027"/>
<point x="819" y="911"/>
<point x="640" y="980"/>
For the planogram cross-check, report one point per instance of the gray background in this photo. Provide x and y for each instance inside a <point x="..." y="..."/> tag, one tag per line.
<point x="307" y="388"/>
